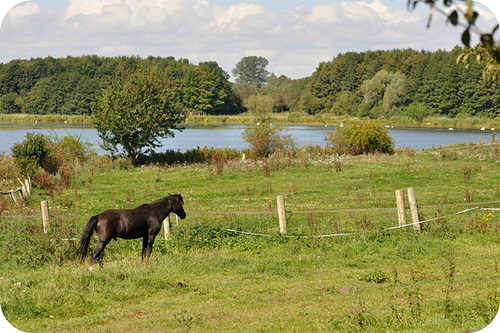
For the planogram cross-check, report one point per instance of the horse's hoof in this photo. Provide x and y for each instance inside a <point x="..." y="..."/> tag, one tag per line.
<point x="91" y="268"/>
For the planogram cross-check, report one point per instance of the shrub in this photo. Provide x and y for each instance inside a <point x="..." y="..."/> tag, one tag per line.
<point x="74" y="146"/>
<point x="266" y="139"/>
<point x="417" y="111"/>
<point x="367" y="138"/>
<point x="8" y="171"/>
<point x="32" y="153"/>
<point x="43" y="157"/>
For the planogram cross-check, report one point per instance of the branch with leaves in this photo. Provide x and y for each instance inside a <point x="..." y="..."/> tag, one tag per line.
<point x="487" y="52"/>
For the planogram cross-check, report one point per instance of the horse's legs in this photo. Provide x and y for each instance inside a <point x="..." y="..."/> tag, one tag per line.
<point x="99" y="252"/>
<point x="151" y="240"/>
<point x="144" y="246"/>
<point x="101" y="256"/>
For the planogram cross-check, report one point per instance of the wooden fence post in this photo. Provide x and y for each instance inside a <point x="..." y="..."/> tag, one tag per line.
<point x="400" y="201"/>
<point x="28" y="186"/>
<point x="166" y="227"/>
<point x="413" y="209"/>
<point x="45" y="215"/>
<point x="24" y="190"/>
<point x="281" y="213"/>
<point x="12" y="194"/>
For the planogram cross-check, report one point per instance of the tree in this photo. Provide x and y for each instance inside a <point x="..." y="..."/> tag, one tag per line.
<point x="345" y="104"/>
<point x="135" y="111"/>
<point x="207" y="89"/>
<point x="251" y="70"/>
<point x="9" y="104"/>
<point x="487" y="52"/>
<point x="386" y="87"/>
<point x="284" y="91"/>
<point x="394" y="92"/>
<point x="261" y="107"/>
<point x="374" y="89"/>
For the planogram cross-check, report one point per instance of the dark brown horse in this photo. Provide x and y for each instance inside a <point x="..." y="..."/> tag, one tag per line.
<point x="143" y="221"/>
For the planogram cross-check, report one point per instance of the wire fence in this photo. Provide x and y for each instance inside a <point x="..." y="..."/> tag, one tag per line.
<point x="308" y="223"/>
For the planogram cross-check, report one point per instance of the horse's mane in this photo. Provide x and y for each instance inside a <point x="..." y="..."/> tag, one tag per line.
<point x="175" y="201"/>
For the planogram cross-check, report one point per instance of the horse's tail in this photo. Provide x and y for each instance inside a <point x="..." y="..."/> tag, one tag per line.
<point x="85" y="239"/>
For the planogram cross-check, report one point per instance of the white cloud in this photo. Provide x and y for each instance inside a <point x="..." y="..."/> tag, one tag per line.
<point x="294" y="42"/>
<point x="28" y="9"/>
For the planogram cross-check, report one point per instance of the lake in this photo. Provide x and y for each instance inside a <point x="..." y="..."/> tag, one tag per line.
<point x="230" y="136"/>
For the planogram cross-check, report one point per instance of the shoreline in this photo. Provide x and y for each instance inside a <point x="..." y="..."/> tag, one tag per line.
<point x="472" y="123"/>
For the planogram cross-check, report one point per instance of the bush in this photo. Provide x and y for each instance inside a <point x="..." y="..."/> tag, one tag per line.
<point x="367" y="138"/>
<point x="74" y="147"/>
<point x="8" y="172"/>
<point x="32" y="153"/>
<point x="50" y="161"/>
<point x="417" y="111"/>
<point x="266" y="139"/>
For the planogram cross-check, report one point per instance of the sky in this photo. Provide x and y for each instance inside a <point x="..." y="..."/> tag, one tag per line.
<point x="294" y="35"/>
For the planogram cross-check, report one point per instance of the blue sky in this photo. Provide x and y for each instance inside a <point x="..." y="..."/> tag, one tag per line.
<point x="276" y="6"/>
<point x="294" y="35"/>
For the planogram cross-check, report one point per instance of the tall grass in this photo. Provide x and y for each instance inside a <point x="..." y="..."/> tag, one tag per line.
<point x="283" y="118"/>
<point x="54" y="118"/>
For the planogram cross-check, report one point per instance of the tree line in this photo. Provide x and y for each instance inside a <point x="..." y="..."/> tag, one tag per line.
<point x="402" y="83"/>
<point x="374" y="84"/>
<point x="72" y="85"/>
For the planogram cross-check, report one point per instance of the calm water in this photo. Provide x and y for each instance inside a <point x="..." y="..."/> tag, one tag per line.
<point x="230" y="136"/>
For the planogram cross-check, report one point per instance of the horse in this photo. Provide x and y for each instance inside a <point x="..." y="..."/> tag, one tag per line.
<point x="143" y="221"/>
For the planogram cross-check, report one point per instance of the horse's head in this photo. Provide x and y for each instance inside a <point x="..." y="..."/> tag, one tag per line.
<point x="177" y="202"/>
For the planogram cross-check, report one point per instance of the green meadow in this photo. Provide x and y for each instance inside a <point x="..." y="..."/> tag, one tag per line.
<point x="207" y="278"/>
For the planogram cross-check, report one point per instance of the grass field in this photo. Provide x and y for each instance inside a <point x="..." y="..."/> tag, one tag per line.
<point x="207" y="279"/>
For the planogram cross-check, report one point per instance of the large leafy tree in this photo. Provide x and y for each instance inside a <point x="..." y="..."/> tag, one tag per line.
<point x="207" y="89"/>
<point x="251" y="70"/>
<point x="136" y="111"/>
<point x="386" y="87"/>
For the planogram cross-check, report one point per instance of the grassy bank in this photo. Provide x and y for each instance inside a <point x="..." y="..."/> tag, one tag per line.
<point x="208" y="279"/>
<point x="54" y="118"/>
<point x="285" y="118"/>
<point x="329" y="119"/>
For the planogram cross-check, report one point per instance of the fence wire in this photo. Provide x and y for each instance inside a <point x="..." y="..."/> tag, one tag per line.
<point x="308" y="224"/>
